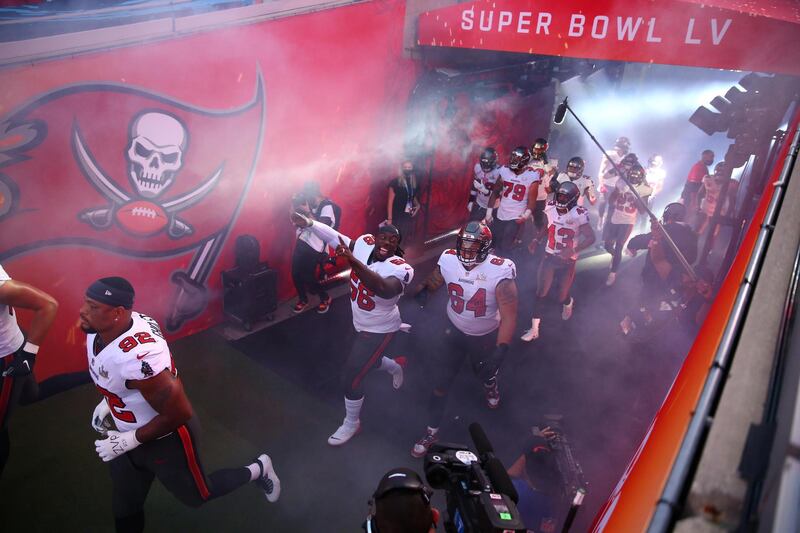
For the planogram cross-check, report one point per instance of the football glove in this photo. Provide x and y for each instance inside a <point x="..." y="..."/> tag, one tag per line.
<point x="489" y="366"/>
<point x="422" y="298"/>
<point x="22" y="361"/>
<point x="101" y="422"/>
<point x="469" y="207"/>
<point x="116" y="444"/>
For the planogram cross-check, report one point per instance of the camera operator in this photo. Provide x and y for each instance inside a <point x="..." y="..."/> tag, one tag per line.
<point x="537" y="480"/>
<point x="309" y="250"/>
<point x="401" y="504"/>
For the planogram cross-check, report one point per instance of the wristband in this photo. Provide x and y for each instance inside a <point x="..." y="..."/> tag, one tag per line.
<point x="30" y="347"/>
<point x="526" y="213"/>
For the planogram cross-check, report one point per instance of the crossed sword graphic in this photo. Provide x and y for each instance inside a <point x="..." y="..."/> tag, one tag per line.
<point x="192" y="296"/>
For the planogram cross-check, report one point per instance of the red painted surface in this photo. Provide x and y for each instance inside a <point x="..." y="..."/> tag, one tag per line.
<point x="676" y="32"/>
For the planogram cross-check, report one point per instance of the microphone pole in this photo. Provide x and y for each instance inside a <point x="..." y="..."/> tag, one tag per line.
<point x="561" y="112"/>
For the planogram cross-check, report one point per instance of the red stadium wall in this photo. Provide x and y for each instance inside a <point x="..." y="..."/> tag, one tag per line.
<point x="263" y="108"/>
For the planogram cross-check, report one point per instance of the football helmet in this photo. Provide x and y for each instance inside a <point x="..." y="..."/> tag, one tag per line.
<point x="488" y="159"/>
<point x="539" y="149"/>
<point x="629" y="161"/>
<point x="473" y="243"/>
<point x="575" y="168"/>
<point x="674" y="212"/>
<point x="624" y="143"/>
<point x="567" y="194"/>
<point x="520" y="157"/>
<point x="636" y="174"/>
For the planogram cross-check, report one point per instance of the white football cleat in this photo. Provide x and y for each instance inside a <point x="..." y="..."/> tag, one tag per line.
<point x="423" y="445"/>
<point x="344" y="433"/>
<point x="566" y="309"/>
<point x="533" y="333"/>
<point x="612" y="277"/>
<point x="268" y="481"/>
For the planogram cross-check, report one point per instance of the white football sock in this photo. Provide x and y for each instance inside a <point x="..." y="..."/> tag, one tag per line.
<point x="389" y="365"/>
<point x="255" y="471"/>
<point x="353" y="410"/>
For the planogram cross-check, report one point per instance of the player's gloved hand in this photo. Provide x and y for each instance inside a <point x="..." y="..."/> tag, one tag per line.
<point x="524" y="216"/>
<point x="488" y="218"/>
<point x="422" y="298"/>
<point x="22" y="361"/>
<point x="489" y="366"/>
<point x="469" y="207"/>
<point x="480" y="187"/>
<point x="300" y="220"/>
<point x="116" y="444"/>
<point x="99" y="416"/>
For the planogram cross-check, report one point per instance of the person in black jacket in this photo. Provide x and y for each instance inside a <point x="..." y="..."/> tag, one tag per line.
<point x="662" y="268"/>
<point x="403" y="203"/>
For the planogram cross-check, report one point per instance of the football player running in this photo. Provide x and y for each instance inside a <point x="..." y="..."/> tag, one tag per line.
<point x="623" y="208"/>
<point x="378" y="277"/>
<point x="517" y="188"/>
<point x="17" y="350"/>
<point x="147" y="422"/>
<point x="482" y="310"/>
<point x="486" y="172"/>
<point x="574" y="173"/>
<point x="568" y="232"/>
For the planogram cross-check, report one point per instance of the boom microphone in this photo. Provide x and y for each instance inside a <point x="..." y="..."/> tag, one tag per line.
<point x="561" y="112"/>
<point x="500" y="480"/>
<point x="480" y="439"/>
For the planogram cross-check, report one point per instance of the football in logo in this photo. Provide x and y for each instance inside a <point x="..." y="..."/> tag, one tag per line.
<point x="141" y="217"/>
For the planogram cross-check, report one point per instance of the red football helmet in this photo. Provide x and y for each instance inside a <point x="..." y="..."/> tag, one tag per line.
<point x="539" y="149"/>
<point x="473" y="243"/>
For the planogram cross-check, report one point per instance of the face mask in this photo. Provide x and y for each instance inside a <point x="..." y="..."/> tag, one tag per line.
<point x="408" y="172"/>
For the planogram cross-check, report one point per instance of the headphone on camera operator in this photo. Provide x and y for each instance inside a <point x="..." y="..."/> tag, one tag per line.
<point x="402" y="501"/>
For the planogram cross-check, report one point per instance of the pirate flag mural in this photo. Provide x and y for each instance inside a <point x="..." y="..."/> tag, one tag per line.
<point x="131" y="172"/>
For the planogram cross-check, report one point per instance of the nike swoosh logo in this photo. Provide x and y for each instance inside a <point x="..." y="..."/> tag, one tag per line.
<point x="145" y="354"/>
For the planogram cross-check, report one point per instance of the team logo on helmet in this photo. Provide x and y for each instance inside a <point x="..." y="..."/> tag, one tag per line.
<point x="575" y="168"/>
<point x="567" y="195"/>
<point x="519" y="158"/>
<point x="539" y="149"/>
<point x="488" y="160"/>
<point x="473" y="243"/>
<point x="636" y="175"/>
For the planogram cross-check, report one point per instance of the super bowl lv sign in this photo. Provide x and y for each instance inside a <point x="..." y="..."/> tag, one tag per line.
<point x="131" y="172"/>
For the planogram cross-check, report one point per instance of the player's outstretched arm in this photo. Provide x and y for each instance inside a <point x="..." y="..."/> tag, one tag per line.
<point x="23" y="296"/>
<point x="164" y="392"/>
<point x="434" y="281"/>
<point x="329" y="235"/>
<point x="506" y="293"/>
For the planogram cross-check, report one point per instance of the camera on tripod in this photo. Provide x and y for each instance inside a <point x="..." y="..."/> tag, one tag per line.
<point x="480" y="495"/>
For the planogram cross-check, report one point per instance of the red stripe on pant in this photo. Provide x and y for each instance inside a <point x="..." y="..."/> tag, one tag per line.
<point x="372" y="360"/>
<point x="194" y="466"/>
<point x="8" y="383"/>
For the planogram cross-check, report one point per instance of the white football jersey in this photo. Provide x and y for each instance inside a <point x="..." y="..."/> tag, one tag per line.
<point x="11" y="337"/>
<point x="372" y="313"/>
<point x="563" y="230"/>
<point x="584" y="183"/>
<point x="607" y="176"/>
<point x="514" y="196"/>
<point x="626" y="208"/>
<point x="486" y="179"/>
<point x="139" y="353"/>
<point x="549" y="169"/>
<point x="472" y="307"/>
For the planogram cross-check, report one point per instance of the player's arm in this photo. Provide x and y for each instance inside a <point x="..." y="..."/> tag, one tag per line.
<point x="329" y="236"/>
<point x="434" y="281"/>
<point x="164" y="392"/>
<point x="494" y="198"/>
<point x="23" y="296"/>
<point x="389" y="205"/>
<point x="658" y="255"/>
<point x="586" y="237"/>
<point x="506" y="294"/>
<point x="533" y="192"/>
<point x="590" y="193"/>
